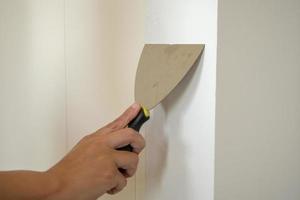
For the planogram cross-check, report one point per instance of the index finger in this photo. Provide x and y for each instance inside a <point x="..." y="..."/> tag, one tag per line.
<point x="124" y="137"/>
<point x="123" y="120"/>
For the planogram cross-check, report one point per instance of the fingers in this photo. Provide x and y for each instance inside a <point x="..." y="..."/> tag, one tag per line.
<point x="125" y="137"/>
<point x="126" y="161"/>
<point x="121" y="182"/>
<point x="125" y="118"/>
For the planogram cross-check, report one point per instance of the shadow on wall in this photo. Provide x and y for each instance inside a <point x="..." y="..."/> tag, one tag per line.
<point x="166" y="148"/>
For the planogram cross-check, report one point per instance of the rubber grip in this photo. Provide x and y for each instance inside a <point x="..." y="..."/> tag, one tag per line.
<point x="136" y="124"/>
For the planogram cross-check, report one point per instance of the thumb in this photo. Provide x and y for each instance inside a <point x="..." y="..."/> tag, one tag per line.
<point x="123" y="120"/>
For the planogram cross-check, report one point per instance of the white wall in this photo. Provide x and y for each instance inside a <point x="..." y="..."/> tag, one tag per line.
<point x="179" y="161"/>
<point x="32" y="84"/>
<point x="258" y="100"/>
<point x="103" y="43"/>
<point x="68" y="68"/>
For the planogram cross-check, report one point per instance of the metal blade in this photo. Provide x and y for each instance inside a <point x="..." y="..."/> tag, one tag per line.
<point x="161" y="68"/>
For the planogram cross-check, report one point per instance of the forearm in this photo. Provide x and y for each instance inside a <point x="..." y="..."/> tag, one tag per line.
<point x="27" y="185"/>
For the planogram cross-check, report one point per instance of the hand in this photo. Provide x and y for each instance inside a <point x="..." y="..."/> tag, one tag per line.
<point x="94" y="166"/>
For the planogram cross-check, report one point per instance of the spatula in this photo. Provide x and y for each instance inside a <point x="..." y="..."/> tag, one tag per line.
<point x="161" y="67"/>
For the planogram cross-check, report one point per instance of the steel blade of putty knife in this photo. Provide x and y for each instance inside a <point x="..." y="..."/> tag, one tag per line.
<point x="161" y="67"/>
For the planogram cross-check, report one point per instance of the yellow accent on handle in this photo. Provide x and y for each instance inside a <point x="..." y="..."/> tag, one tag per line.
<point x="146" y="111"/>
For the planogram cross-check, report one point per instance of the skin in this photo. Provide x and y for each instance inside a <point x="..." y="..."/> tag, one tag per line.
<point x="92" y="168"/>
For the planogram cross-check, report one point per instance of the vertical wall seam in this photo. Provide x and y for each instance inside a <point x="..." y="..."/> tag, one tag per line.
<point x="66" y="84"/>
<point x="215" y="97"/>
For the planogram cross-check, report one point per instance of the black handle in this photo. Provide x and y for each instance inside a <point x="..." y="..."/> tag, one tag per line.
<point x="136" y="124"/>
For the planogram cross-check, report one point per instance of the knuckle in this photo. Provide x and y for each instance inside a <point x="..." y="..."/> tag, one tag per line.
<point x="123" y="118"/>
<point x="142" y="141"/>
<point x="127" y="133"/>
<point x="100" y="139"/>
<point x="102" y="130"/>
<point x="131" y="133"/>
<point x="119" y="122"/>
<point x="116" y="125"/>
<point x="135" y="160"/>
<point x="109" y="175"/>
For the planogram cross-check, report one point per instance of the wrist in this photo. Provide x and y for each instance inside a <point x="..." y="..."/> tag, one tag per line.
<point x="27" y="185"/>
<point x="54" y="187"/>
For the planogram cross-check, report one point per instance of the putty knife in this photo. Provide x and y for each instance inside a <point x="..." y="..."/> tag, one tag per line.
<point x="161" y="67"/>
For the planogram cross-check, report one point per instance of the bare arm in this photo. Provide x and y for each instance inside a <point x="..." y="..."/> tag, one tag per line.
<point x="27" y="185"/>
<point x="90" y="170"/>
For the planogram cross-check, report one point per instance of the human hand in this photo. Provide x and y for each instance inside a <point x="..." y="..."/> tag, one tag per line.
<point x="94" y="166"/>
